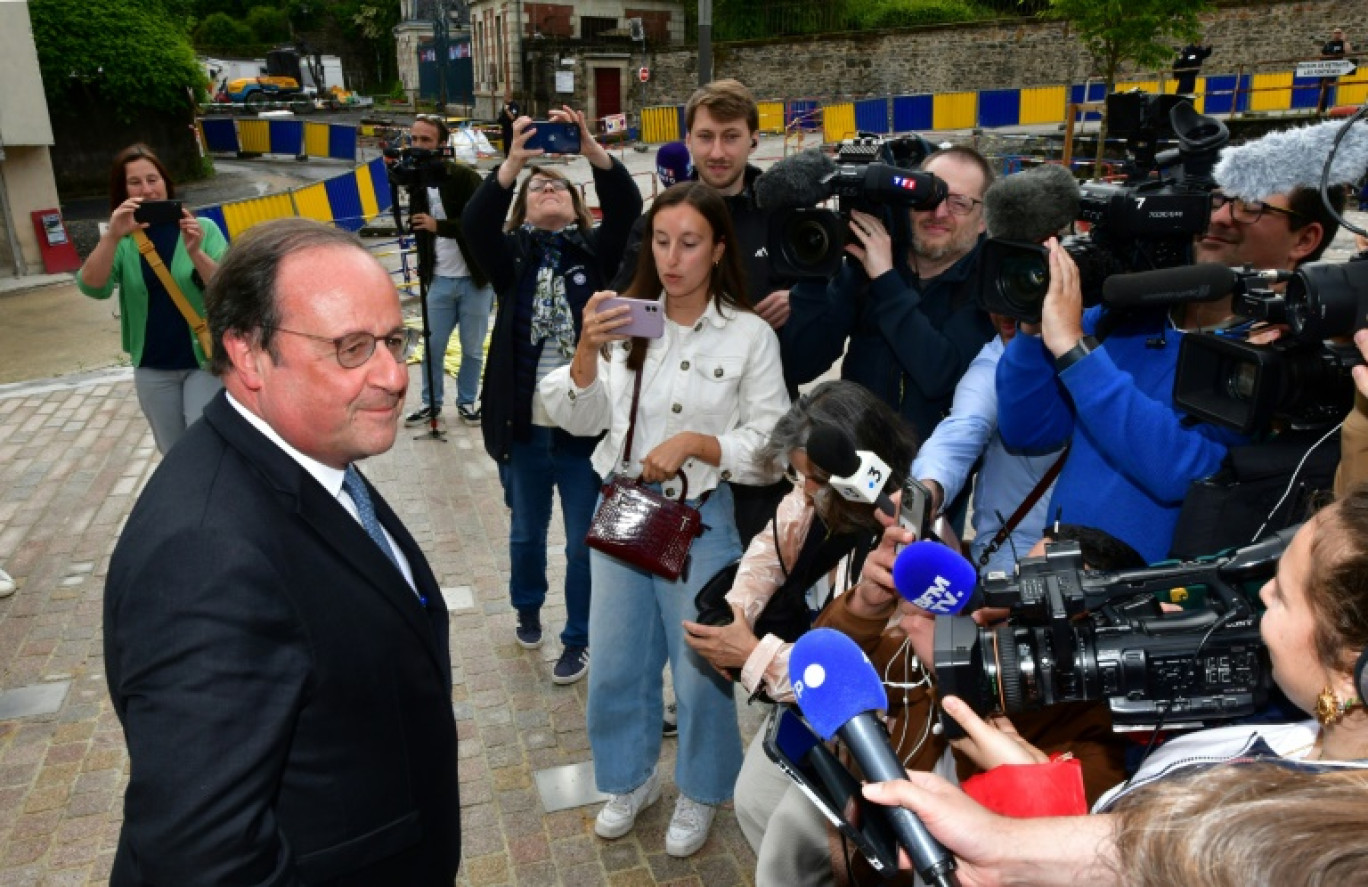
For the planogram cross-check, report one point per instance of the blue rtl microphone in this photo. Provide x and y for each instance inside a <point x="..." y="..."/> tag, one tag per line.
<point x="940" y="581"/>
<point x="839" y="692"/>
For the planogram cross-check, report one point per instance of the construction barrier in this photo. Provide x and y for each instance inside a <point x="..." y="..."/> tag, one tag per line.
<point x="348" y="200"/>
<point x="290" y="137"/>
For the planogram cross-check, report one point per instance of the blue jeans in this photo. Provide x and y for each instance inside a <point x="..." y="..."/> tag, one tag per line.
<point x="634" y="620"/>
<point x="452" y="301"/>
<point x="551" y="458"/>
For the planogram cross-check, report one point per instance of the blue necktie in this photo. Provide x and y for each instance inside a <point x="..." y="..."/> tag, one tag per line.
<point x="356" y="488"/>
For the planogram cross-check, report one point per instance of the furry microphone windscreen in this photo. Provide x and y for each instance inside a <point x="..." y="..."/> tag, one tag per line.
<point x="1031" y="206"/>
<point x="673" y="164"/>
<point x="1281" y="162"/>
<point x="833" y="680"/>
<point x="797" y="181"/>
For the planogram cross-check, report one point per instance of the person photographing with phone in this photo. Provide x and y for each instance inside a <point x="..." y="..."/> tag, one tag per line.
<point x="685" y="414"/>
<point x="544" y="263"/>
<point x="160" y="257"/>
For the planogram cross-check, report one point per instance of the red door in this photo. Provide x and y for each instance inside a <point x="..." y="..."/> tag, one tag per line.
<point x="608" y="91"/>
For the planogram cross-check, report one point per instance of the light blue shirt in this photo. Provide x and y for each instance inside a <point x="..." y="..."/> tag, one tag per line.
<point x="970" y="431"/>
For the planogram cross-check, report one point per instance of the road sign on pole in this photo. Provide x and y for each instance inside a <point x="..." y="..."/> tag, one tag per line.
<point x="1326" y="68"/>
<point x="644" y="74"/>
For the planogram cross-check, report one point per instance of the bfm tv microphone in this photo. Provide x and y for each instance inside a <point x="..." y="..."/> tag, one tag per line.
<point x="1031" y="206"/>
<point x="858" y="475"/>
<point x="796" y="182"/>
<point x="940" y="581"/>
<point x="839" y="693"/>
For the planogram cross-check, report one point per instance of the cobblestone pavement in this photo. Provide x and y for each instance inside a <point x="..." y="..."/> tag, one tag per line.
<point x="74" y="454"/>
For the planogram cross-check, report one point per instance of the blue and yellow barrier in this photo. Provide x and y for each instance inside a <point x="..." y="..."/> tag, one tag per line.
<point x="348" y="201"/>
<point x="295" y="138"/>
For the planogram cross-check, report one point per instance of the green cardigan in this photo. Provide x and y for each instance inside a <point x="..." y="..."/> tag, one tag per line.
<point x="126" y="273"/>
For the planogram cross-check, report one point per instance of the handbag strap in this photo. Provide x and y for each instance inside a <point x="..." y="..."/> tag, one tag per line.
<point x="192" y="317"/>
<point x="1025" y="507"/>
<point x="631" y="432"/>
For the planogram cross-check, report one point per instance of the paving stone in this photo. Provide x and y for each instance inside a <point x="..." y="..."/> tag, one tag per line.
<point x="38" y="699"/>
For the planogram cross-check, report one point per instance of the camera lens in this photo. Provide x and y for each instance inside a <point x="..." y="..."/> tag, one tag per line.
<point x="807" y="240"/>
<point x="1022" y="283"/>
<point x="1239" y="384"/>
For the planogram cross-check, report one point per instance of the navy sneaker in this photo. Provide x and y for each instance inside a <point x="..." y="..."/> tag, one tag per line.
<point x="422" y="416"/>
<point x="572" y="665"/>
<point x="529" y="630"/>
<point x="671" y="725"/>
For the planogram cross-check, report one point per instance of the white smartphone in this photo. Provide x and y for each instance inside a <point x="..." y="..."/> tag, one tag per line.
<point x="647" y="318"/>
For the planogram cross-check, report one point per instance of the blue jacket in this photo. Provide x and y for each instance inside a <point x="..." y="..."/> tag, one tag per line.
<point x="1133" y="454"/>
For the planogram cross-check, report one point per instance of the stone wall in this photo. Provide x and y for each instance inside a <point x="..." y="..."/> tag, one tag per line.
<point x="989" y="55"/>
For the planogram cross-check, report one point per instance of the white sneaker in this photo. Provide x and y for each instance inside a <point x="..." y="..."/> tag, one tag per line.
<point x="689" y="827"/>
<point x="619" y="815"/>
<point x="7" y="585"/>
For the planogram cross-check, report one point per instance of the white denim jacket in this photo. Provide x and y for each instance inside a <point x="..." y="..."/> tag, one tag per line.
<point x="721" y="377"/>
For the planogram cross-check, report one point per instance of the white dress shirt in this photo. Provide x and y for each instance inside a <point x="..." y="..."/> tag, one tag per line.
<point x="721" y="377"/>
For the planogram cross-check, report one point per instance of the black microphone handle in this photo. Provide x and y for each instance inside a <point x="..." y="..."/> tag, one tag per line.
<point x="885" y="504"/>
<point x="868" y="742"/>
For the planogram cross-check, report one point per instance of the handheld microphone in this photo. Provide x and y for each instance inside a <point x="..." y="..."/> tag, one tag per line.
<point x="839" y="693"/>
<point x="1204" y="282"/>
<point x="1031" y="206"/>
<point x="858" y="475"/>
<point x="940" y="581"/>
<point x="673" y="164"/>
<point x="796" y="182"/>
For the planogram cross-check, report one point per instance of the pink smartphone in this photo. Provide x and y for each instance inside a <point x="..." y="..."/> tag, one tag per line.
<point x="647" y="316"/>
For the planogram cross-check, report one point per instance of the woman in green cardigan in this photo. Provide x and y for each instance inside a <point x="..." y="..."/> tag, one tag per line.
<point x="168" y="363"/>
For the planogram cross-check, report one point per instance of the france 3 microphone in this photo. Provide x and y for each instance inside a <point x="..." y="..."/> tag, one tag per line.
<point x="839" y="692"/>
<point x="858" y="475"/>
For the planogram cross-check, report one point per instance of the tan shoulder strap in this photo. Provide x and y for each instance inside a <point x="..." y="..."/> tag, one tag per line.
<point x="197" y="323"/>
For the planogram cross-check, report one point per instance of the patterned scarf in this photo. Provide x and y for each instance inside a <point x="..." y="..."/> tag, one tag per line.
<point x="551" y="317"/>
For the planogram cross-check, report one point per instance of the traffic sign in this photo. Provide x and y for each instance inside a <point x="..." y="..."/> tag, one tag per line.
<point x="644" y="74"/>
<point x="1326" y="68"/>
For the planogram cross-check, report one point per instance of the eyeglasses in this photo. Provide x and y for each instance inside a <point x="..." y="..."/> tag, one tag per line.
<point x="354" y="349"/>
<point x="537" y="186"/>
<point x="1248" y="211"/>
<point x="961" y="204"/>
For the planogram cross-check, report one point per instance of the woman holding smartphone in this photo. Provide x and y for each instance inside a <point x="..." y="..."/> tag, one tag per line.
<point x="544" y="264"/>
<point x="711" y="389"/>
<point x="168" y="363"/>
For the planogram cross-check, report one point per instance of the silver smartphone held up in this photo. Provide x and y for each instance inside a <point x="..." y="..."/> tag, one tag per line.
<point x="647" y="318"/>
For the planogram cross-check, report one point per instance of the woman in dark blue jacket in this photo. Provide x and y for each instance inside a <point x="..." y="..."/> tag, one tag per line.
<point x="544" y="262"/>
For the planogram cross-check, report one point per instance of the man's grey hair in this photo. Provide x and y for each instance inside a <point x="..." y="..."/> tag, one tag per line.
<point x="241" y="297"/>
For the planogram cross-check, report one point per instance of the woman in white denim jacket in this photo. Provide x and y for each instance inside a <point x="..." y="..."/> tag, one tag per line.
<point x="711" y="390"/>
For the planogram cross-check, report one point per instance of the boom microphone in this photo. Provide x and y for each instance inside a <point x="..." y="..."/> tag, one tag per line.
<point x="839" y="693"/>
<point x="940" y="581"/>
<point x="1281" y="162"/>
<point x="1031" y="206"/>
<point x="858" y="475"/>
<point x="1204" y="282"/>
<point x="796" y="182"/>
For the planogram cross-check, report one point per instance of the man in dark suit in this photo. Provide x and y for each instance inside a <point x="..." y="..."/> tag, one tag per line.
<point x="275" y="642"/>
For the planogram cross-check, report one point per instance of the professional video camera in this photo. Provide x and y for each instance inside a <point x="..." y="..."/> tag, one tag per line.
<point x="1145" y="223"/>
<point x="868" y="173"/>
<point x="1076" y="634"/>
<point x="1301" y="378"/>
<point x="411" y="167"/>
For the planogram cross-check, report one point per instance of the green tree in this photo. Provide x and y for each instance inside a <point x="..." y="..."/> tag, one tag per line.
<point x="1140" y="32"/>
<point x="268" y="24"/>
<point x="129" y="57"/>
<point x="221" y="31"/>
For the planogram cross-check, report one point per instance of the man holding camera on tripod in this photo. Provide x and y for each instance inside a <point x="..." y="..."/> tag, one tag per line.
<point x="458" y="292"/>
<point x="1103" y="379"/>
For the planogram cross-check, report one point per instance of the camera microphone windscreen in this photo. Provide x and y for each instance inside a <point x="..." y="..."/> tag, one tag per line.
<point x="1204" y="282"/>
<point x="940" y="581"/>
<point x="1281" y="162"/>
<point x="797" y="181"/>
<point x="1031" y="206"/>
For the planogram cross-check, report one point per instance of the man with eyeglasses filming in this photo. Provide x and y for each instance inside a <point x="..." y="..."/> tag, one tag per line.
<point x="904" y="311"/>
<point x="1104" y="380"/>
<point x="275" y="643"/>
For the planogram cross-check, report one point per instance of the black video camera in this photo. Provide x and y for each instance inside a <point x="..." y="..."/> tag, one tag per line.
<point x="1301" y="378"/>
<point x="1142" y="224"/>
<point x="1076" y="634"/>
<point x="871" y="172"/>
<point x="411" y="167"/>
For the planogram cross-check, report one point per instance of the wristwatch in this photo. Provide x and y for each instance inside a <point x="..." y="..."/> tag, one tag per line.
<point x="1086" y="345"/>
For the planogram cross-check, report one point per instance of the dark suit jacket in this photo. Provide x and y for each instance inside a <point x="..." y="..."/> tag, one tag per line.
<point x="285" y="696"/>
